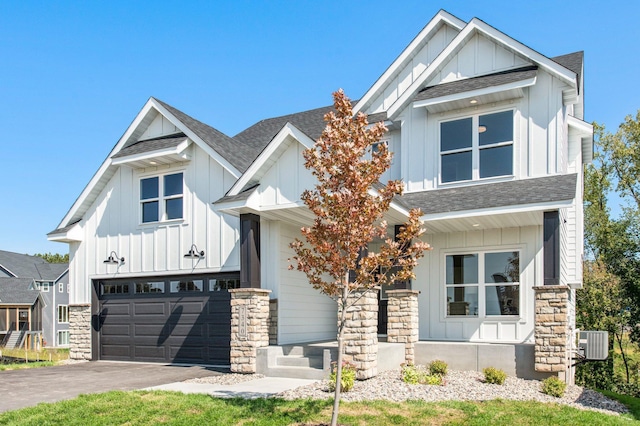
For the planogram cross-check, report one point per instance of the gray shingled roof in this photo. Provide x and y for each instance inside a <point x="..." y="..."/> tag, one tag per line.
<point x="572" y="61"/>
<point x="241" y="196"/>
<point x="236" y="154"/>
<point x="501" y="194"/>
<point x="16" y="291"/>
<point x="32" y="267"/>
<point x="149" y="145"/>
<point x="476" y="83"/>
<point x="258" y="136"/>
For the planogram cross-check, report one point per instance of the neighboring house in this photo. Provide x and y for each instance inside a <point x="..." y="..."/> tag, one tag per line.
<point x="20" y="313"/>
<point x="51" y="280"/>
<point x="490" y="142"/>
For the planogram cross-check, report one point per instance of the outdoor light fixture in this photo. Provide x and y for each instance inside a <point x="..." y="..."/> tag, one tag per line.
<point x="114" y="259"/>
<point x="194" y="253"/>
<point x="473" y="101"/>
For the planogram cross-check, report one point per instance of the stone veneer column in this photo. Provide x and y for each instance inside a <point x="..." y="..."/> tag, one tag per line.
<point x="249" y="327"/>
<point x="361" y="332"/>
<point x="80" y="332"/>
<point x="551" y="328"/>
<point x="402" y="325"/>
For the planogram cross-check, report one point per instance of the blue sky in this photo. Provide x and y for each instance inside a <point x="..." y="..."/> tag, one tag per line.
<point x="73" y="75"/>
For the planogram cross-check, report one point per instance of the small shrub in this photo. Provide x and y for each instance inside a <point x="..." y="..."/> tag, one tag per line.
<point x="494" y="376"/>
<point x="415" y="375"/>
<point x="412" y="374"/>
<point x="347" y="379"/>
<point x="631" y="389"/>
<point x="554" y="387"/>
<point x="433" y="379"/>
<point x="438" y="368"/>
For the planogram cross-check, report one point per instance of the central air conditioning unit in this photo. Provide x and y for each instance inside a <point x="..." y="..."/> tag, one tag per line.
<point x="593" y="345"/>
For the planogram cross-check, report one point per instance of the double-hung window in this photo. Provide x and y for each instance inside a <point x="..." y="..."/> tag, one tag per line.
<point x="483" y="284"/>
<point x="63" y="314"/>
<point x="476" y="147"/>
<point x="161" y="198"/>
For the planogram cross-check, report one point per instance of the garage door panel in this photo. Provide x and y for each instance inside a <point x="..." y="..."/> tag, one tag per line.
<point x="116" y="330"/>
<point x="150" y="353"/>
<point x="150" y="308"/>
<point x="193" y="307"/>
<point x="116" y="308"/>
<point x="148" y="330"/>
<point x="116" y="351"/>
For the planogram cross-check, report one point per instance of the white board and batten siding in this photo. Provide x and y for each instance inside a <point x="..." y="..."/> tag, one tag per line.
<point x="434" y="324"/>
<point x="113" y="223"/>
<point x="417" y="64"/>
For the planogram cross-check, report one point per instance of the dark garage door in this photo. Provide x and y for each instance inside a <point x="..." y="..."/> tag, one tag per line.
<point x="174" y="319"/>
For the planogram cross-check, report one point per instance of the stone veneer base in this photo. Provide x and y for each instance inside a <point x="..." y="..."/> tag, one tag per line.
<point x="80" y="332"/>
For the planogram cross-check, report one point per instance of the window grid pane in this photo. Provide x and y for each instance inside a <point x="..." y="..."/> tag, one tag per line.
<point x="173" y="184"/>
<point x="496" y="161"/>
<point x="496" y="128"/>
<point x="173" y="208"/>
<point x="457" y="167"/>
<point x="149" y="188"/>
<point x="456" y="134"/>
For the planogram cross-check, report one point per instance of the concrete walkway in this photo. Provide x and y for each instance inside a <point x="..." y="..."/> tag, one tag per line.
<point x="259" y="388"/>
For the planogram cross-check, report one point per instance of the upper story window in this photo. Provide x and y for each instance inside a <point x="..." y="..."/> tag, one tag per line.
<point x="476" y="147"/>
<point x="161" y="198"/>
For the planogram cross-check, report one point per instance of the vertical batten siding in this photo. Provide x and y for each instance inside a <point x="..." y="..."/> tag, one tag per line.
<point x="305" y="315"/>
<point x="430" y="279"/>
<point x="112" y="224"/>
<point x="420" y="61"/>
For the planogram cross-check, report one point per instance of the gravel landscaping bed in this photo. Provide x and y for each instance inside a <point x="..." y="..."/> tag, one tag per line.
<point x="459" y="386"/>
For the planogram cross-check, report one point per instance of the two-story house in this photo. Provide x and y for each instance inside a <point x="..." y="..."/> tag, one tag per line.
<point x="46" y="314"/>
<point x="489" y="139"/>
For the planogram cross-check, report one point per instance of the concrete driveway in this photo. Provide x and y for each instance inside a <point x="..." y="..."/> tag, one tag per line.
<point x="25" y="388"/>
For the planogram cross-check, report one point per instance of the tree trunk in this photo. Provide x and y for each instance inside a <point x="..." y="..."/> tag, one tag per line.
<point x="336" y="396"/>
<point x="624" y="357"/>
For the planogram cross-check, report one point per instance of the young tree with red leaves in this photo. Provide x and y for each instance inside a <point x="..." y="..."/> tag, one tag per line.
<point x="349" y="204"/>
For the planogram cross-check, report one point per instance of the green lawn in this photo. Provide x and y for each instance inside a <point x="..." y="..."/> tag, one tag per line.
<point x="30" y="358"/>
<point x="152" y="408"/>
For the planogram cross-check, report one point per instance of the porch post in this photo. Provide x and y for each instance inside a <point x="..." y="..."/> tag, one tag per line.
<point x="361" y="332"/>
<point x="403" y="320"/>
<point x="552" y="329"/>
<point x="249" y="327"/>
<point x="249" y="251"/>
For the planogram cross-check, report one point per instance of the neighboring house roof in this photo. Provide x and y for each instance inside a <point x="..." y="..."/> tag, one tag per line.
<point x="476" y="83"/>
<point x="236" y="154"/>
<point x="31" y="267"/>
<point x="149" y="145"/>
<point x="501" y="194"/>
<point x="17" y="291"/>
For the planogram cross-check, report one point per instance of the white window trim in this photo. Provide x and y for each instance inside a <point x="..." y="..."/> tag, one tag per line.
<point x="60" y="333"/>
<point x="161" y="198"/>
<point x="475" y="148"/>
<point x="58" y="314"/>
<point x="482" y="316"/>
<point x="60" y="287"/>
<point x="44" y="287"/>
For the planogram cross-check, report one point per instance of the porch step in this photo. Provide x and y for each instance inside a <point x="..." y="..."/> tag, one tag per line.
<point x="300" y="361"/>
<point x="297" y="372"/>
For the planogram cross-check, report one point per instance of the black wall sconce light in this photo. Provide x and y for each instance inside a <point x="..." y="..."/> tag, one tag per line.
<point x="194" y="253"/>
<point x="114" y="259"/>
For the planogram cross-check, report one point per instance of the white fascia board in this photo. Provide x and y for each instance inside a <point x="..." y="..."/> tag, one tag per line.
<point x="473" y="27"/>
<point x="476" y="93"/>
<point x="441" y="17"/>
<point x="585" y="131"/>
<point x="8" y="271"/>
<point x="583" y="128"/>
<point x="549" y="65"/>
<point x="250" y="202"/>
<point x="106" y="164"/>
<point x="177" y="150"/>
<point x="74" y="234"/>
<point x="499" y="210"/>
<point x="205" y="147"/>
<point x="286" y="131"/>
